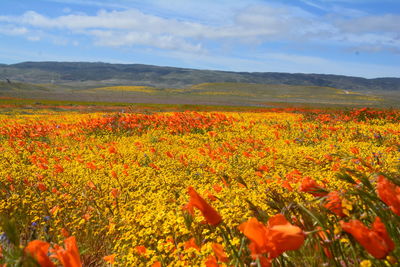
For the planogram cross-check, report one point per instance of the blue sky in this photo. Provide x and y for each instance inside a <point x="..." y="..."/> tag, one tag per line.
<point x="349" y="37"/>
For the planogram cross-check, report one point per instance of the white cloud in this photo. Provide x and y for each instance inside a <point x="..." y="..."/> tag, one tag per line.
<point x="284" y="62"/>
<point x="371" y="24"/>
<point x="115" y="38"/>
<point x="13" y="30"/>
<point x="254" y="23"/>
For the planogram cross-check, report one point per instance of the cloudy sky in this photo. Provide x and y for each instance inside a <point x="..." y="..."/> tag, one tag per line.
<point x="350" y="37"/>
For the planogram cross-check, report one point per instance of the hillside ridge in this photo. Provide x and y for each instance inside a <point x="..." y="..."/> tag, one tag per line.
<point x="90" y="74"/>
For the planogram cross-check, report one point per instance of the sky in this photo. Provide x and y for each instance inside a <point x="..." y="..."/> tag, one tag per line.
<point x="346" y="37"/>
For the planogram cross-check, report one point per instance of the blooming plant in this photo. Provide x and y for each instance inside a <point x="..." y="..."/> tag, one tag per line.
<point x="278" y="187"/>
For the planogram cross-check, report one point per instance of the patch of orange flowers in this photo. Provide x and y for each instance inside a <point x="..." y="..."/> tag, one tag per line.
<point x="375" y="240"/>
<point x="209" y="213"/>
<point x="274" y="238"/>
<point x="68" y="255"/>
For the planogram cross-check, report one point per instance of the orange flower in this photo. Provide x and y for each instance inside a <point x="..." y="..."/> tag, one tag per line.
<point x="110" y="258"/>
<point x="334" y="203"/>
<point x="219" y="252"/>
<point x="380" y="229"/>
<point x="141" y="249"/>
<point x="265" y="262"/>
<point x="42" y="187"/>
<point x="91" y="185"/>
<point x="212" y="134"/>
<point x="64" y="232"/>
<point x="256" y="232"/>
<point x="54" y="210"/>
<point x="68" y="256"/>
<point x="389" y="193"/>
<point x="310" y="186"/>
<point x="209" y="213"/>
<point x="274" y="238"/>
<point x="376" y="240"/>
<point x="284" y="236"/>
<point x="58" y="168"/>
<point x="287" y="185"/>
<point x="324" y="239"/>
<point x="191" y="244"/>
<point x="217" y="188"/>
<point x="210" y="196"/>
<point x="156" y="264"/>
<point x="355" y="150"/>
<point x="38" y="250"/>
<point x="115" y="192"/>
<point x="211" y="261"/>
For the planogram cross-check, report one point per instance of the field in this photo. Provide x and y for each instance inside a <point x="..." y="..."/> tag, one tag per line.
<point x="223" y="93"/>
<point x="157" y="186"/>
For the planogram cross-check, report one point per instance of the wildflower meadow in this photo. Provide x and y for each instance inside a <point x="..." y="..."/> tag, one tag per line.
<point x="274" y="187"/>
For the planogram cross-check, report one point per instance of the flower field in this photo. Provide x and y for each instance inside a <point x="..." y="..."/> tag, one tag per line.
<point x="284" y="187"/>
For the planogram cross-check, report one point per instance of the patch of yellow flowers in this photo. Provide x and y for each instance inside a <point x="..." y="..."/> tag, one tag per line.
<point x="119" y="189"/>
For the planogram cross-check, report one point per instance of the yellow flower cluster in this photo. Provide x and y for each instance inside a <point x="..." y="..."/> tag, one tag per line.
<point x="118" y="182"/>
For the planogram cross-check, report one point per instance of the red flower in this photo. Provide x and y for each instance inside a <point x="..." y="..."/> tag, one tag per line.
<point x="91" y="185"/>
<point x="38" y="250"/>
<point x="217" y="188"/>
<point x="42" y="187"/>
<point x="334" y="203"/>
<point x="110" y="258"/>
<point x="141" y="249"/>
<point x="219" y="252"/>
<point x="310" y="186"/>
<point x="376" y="240"/>
<point x="115" y="192"/>
<point x="389" y="193"/>
<point x="68" y="256"/>
<point x="209" y="213"/>
<point x="191" y="243"/>
<point x="211" y="261"/>
<point x="274" y="238"/>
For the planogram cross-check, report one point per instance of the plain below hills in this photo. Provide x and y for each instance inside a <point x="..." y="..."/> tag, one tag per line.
<point x="135" y="83"/>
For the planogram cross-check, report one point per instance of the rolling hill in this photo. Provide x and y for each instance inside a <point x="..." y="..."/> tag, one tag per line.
<point x="84" y="74"/>
<point x="135" y="83"/>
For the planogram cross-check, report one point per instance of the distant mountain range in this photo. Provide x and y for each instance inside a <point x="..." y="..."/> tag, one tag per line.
<point x="83" y="75"/>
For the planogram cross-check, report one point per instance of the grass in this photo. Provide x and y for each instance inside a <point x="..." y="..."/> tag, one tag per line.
<point x="214" y="94"/>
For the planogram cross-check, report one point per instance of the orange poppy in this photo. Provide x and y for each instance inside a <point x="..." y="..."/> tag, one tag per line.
<point x="211" y="261"/>
<point x="376" y="241"/>
<point x="219" y="252"/>
<point x="191" y="243"/>
<point x="42" y="187"/>
<point x="141" y="249"/>
<point x="68" y="256"/>
<point x="274" y="238"/>
<point x="91" y="185"/>
<point x="109" y="258"/>
<point x="115" y="192"/>
<point x="284" y="236"/>
<point x="265" y="262"/>
<point x="209" y="213"/>
<point x="217" y="188"/>
<point x="334" y="203"/>
<point x="38" y="250"/>
<point x="257" y="233"/>
<point x="310" y="186"/>
<point x="64" y="232"/>
<point x="389" y="193"/>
